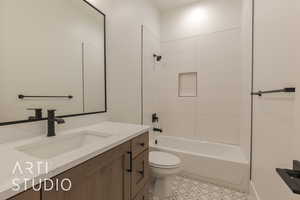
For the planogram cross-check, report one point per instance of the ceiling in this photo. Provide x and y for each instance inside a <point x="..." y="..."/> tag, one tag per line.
<point x="169" y="4"/>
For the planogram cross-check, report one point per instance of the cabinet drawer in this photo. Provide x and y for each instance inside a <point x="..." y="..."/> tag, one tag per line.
<point x="140" y="172"/>
<point x="143" y="194"/>
<point x="140" y="144"/>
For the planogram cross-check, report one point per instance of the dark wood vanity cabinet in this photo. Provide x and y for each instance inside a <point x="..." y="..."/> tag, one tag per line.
<point x="118" y="174"/>
<point x="140" y="167"/>
<point x="140" y="175"/>
<point x="106" y="177"/>
<point x="143" y="194"/>
<point x="27" y="195"/>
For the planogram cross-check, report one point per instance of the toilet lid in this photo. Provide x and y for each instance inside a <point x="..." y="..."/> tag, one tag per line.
<point x="163" y="159"/>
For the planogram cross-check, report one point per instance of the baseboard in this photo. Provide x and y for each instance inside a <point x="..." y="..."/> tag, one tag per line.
<point x="253" y="193"/>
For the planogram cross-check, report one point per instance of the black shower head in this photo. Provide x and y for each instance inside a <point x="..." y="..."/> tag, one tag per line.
<point x="157" y="57"/>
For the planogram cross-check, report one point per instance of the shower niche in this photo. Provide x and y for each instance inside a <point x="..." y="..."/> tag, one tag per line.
<point x="187" y="84"/>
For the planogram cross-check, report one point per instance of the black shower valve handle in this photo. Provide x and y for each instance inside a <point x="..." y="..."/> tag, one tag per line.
<point x="155" y="118"/>
<point x="157" y="130"/>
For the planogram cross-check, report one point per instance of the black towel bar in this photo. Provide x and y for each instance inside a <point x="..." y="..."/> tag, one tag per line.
<point x="284" y="90"/>
<point x="21" y="96"/>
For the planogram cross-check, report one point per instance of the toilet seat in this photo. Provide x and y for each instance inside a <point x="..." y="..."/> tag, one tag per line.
<point x="163" y="160"/>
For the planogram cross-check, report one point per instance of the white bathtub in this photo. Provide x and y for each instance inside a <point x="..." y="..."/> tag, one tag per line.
<point x="217" y="163"/>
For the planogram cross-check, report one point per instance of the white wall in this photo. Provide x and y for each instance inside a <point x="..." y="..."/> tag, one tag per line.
<point x="124" y="24"/>
<point x="201" y="17"/>
<point x="203" y="37"/>
<point x="151" y="75"/>
<point x="296" y="135"/>
<point x="246" y="36"/>
<point x="276" y="65"/>
<point x="124" y="20"/>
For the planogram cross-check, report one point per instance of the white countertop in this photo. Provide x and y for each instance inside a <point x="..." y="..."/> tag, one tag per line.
<point x="10" y="156"/>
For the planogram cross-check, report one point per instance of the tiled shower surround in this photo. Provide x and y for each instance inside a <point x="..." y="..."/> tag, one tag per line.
<point x="188" y="189"/>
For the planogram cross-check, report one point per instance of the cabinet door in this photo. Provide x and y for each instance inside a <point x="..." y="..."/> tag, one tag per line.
<point x="105" y="177"/>
<point x="143" y="194"/>
<point x="140" y="172"/>
<point x="28" y="195"/>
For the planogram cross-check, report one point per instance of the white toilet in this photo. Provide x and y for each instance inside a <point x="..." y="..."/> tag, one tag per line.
<point x="163" y="166"/>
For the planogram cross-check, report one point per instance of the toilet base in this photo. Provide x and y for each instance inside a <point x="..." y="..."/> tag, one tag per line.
<point x="162" y="187"/>
<point x="163" y="167"/>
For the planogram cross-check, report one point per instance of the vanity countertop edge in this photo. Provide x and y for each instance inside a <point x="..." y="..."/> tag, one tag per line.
<point x="122" y="133"/>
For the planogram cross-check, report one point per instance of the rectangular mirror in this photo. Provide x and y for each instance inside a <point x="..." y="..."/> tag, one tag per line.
<point x="52" y="56"/>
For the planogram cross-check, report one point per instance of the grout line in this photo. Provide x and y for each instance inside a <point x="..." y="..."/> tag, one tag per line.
<point x="83" y="83"/>
<point x="202" y="34"/>
<point x="142" y="74"/>
<point x="152" y="33"/>
<point x="105" y="63"/>
<point x="252" y="88"/>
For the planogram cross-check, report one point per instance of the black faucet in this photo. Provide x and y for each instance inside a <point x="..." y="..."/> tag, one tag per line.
<point x="38" y="114"/>
<point x="51" y="122"/>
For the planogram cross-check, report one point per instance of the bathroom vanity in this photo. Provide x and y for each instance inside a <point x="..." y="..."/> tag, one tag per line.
<point x="113" y="175"/>
<point x="117" y="169"/>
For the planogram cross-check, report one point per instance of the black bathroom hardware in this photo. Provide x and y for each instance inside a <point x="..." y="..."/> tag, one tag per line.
<point x="38" y="114"/>
<point x="291" y="177"/>
<point x="51" y="123"/>
<point x="284" y="90"/>
<point x="157" y="57"/>
<point x="157" y="130"/>
<point x="129" y="153"/>
<point x="142" y="144"/>
<point x="142" y="172"/>
<point x="154" y="118"/>
<point x="21" y="96"/>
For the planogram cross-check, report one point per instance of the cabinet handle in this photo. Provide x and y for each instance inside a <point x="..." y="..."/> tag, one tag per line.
<point x="142" y="172"/>
<point x="130" y="161"/>
<point x="142" y="144"/>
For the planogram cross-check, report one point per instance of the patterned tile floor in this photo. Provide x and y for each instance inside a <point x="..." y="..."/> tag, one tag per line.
<point x="188" y="189"/>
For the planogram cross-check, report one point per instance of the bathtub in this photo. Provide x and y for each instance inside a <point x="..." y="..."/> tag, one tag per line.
<point x="212" y="162"/>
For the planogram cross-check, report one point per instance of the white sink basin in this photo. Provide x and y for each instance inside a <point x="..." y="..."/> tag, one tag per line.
<point x="58" y="145"/>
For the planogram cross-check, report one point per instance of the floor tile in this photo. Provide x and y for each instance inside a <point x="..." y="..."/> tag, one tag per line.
<point x="187" y="189"/>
